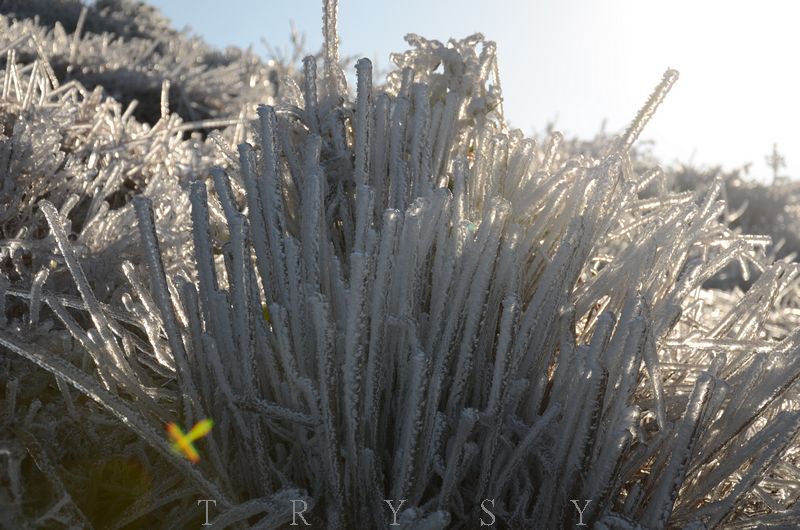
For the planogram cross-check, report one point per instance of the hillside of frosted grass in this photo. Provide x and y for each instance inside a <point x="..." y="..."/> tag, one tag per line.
<point x="377" y="292"/>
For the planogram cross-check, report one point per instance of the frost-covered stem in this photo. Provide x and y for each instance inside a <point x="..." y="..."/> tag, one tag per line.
<point x="269" y="186"/>
<point x="663" y="500"/>
<point x="36" y="296"/>
<point x="647" y="111"/>
<point x="257" y="223"/>
<point x="92" y="305"/>
<point x="363" y="120"/>
<point x="310" y="93"/>
<point x="202" y="247"/>
<point x="333" y="69"/>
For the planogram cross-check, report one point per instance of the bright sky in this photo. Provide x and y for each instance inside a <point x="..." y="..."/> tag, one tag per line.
<point x="581" y="61"/>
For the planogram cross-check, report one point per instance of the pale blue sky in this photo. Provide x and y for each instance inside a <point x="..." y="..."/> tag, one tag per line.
<point x="581" y="61"/>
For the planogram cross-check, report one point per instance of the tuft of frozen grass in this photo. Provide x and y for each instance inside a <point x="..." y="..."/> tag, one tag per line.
<point x="389" y="294"/>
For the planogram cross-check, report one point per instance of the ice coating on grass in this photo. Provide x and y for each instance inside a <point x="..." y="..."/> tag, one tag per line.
<point x="381" y="292"/>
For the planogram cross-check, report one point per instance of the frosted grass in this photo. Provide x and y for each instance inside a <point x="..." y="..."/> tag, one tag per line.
<point x="388" y="295"/>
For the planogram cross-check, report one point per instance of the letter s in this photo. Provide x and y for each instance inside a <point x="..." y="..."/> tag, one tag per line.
<point x="485" y="509"/>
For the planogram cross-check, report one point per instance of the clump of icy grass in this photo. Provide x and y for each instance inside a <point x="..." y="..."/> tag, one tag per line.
<point x="129" y="49"/>
<point x="388" y="297"/>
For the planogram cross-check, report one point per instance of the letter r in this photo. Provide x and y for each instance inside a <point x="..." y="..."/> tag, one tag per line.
<point x="300" y="513"/>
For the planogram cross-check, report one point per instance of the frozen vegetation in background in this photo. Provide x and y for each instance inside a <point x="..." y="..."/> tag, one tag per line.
<point x="377" y="292"/>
